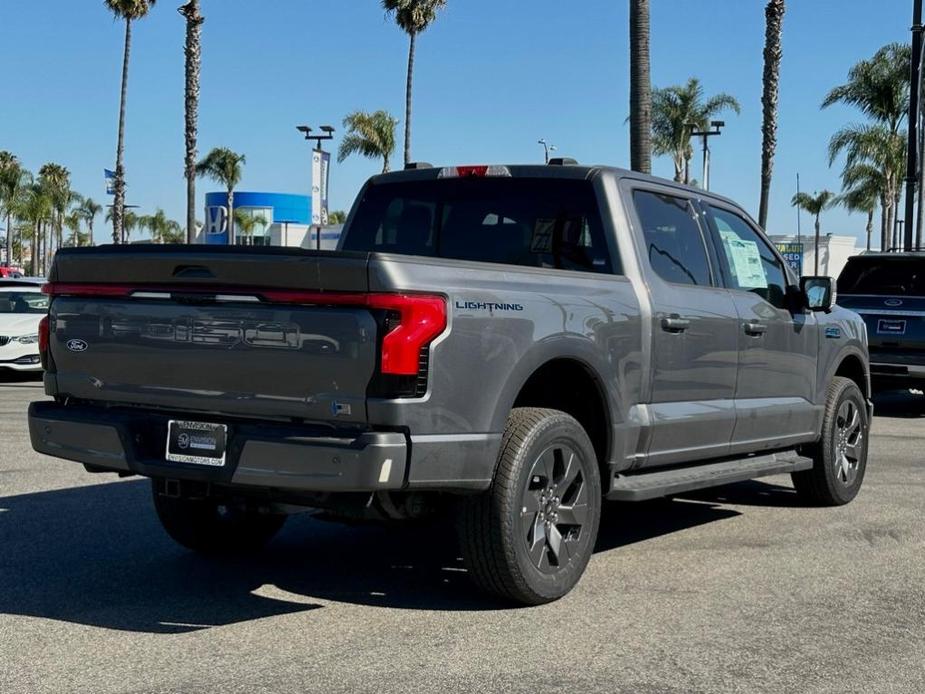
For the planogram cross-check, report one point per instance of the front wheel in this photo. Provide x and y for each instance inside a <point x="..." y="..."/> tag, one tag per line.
<point x="209" y="526"/>
<point x="841" y="454"/>
<point x="529" y="538"/>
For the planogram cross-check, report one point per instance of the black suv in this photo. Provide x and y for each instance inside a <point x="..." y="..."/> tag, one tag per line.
<point x="888" y="291"/>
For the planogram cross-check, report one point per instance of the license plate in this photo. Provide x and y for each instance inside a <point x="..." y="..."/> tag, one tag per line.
<point x="199" y="443"/>
<point x="891" y="327"/>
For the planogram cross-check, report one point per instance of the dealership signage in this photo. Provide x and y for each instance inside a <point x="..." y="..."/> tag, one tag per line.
<point x="216" y="219"/>
<point x="321" y="167"/>
<point x="793" y="255"/>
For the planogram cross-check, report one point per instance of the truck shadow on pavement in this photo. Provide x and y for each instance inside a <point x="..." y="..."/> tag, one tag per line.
<point x="96" y="555"/>
<point x="751" y="493"/>
<point x="10" y="378"/>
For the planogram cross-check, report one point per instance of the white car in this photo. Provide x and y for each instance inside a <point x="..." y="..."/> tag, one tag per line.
<point x="22" y="306"/>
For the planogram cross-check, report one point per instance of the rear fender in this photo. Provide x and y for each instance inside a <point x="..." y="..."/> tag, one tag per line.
<point x="575" y="349"/>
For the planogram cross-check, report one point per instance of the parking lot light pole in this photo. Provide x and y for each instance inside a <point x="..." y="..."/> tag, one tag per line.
<point x="547" y="148"/>
<point x="328" y="135"/>
<point x="307" y="131"/>
<point x="716" y="127"/>
<point x="912" y="163"/>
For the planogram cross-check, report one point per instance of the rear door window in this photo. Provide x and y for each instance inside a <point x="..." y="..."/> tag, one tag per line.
<point x="674" y="242"/>
<point x="549" y="223"/>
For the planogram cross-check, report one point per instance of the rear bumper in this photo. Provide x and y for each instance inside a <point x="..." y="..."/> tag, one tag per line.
<point x="897" y="374"/>
<point x="264" y="455"/>
<point x="889" y="365"/>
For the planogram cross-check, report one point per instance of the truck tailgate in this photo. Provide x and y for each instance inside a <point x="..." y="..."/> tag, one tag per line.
<point x="176" y="343"/>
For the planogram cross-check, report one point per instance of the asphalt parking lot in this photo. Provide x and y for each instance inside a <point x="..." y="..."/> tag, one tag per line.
<point x="738" y="589"/>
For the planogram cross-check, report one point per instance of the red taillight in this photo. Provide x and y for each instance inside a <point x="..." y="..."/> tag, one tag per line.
<point x="43" y="340"/>
<point x="467" y="171"/>
<point x="421" y="319"/>
<point x="76" y="289"/>
<point x="479" y="171"/>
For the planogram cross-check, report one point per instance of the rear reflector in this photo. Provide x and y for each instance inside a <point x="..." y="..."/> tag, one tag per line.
<point x="474" y="171"/>
<point x="43" y="340"/>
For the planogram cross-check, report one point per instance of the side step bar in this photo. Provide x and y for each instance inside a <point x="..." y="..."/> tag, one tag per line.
<point x="640" y="486"/>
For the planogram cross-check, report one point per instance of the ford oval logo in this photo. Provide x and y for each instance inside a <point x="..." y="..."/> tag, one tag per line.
<point x="77" y="345"/>
<point x="893" y="302"/>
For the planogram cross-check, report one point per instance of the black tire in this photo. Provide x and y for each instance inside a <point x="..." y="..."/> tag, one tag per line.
<point x="841" y="454"/>
<point x="508" y="535"/>
<point x="209" y="527"/>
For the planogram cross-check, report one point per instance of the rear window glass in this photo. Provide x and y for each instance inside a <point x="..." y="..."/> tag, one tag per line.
<point x="882" y="276"/>
<point x="22" y="302"/>
<point x="550" y="223"/>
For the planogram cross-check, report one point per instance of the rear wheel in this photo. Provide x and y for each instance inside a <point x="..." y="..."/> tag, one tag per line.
<point x="841" y="454"/>
<point x="530" y="537"/>
<point x="209" y="526"/>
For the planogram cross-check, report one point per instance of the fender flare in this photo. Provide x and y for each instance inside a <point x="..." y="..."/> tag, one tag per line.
<point x="835" y="364"/>
<point x="573" y="348"/>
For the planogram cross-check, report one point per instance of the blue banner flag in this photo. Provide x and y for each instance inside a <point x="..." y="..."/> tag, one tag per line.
<point x="110" y="181"/>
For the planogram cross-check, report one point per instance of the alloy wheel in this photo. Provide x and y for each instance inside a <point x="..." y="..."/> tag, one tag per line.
<point x="554" y="508"/>
<point x="849" y="442"/>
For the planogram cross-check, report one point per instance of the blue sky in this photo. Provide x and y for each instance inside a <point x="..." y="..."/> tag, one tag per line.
<point x="492" y="77"/>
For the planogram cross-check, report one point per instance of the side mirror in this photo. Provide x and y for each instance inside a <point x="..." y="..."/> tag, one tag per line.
<point x="818" y="293"/>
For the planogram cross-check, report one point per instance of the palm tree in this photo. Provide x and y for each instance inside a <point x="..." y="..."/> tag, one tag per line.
<point x="34" y="208"/>
<point x="413" y="17"/>
<point x="130" y="222"/>
<point x="89" y="209"/>
<point x="248" y="222"/>
<point x="128" y="10"/>
<point x="163" y="229"/>
<point x="369" y="134"/>
<point x="640" y="88"/>
<point x="193" y="53"/>
<point x="56" y="181"/>
<point x="13" y="180"/>
<point x="224" y="166"/>
<point x="774" y="20"/>
<point x="878" y="87"/>
<point x="814" y="205"/>
<point x="678" y="109"/>
<point x="72" y="221"/>
<point x="337" y="217"/>
<point x="877" y="146"/>
<point x="861" y="185"/>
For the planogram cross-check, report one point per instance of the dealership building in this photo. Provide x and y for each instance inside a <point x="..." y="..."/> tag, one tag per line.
<point x="278" y="219"/>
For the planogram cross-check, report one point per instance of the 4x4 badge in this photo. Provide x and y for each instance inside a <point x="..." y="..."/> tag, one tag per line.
<point x="77" y="345"/>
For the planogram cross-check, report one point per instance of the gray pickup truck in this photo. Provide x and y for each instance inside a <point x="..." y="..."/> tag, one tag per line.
<point x="511" y="344"/>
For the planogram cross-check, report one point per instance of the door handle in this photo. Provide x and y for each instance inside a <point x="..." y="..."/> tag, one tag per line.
<point x="675" y="325"/>
<point x="755" y="329"/>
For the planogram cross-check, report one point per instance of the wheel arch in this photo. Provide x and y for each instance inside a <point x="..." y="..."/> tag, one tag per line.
<point x="570" y="381"/>
<point x="852" y="365"/>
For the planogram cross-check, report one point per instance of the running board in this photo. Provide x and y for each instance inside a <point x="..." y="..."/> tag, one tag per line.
<point x="640" y="486"/>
